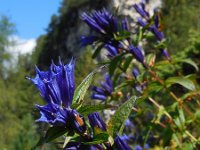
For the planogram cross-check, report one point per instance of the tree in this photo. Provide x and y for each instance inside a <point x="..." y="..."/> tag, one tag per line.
<point x="6" y="29"/>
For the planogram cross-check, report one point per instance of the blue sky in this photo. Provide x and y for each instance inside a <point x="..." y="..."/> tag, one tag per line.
<point x="31" y="17"/>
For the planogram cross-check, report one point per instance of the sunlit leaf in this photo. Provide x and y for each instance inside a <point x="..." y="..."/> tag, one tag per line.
<point x="116" y="123"/>
<point x="188" y="61"/>
<point x="87" y="109"/>
<point x="185" y="82"/>
<point x="82" y="88"/>
<point x="67" y="139"/>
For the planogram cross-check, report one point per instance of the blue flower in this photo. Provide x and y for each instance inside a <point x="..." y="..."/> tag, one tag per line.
<point x="145" y="15"/>
<point x="135" y="72"/>
<point x="146" y="146"/>
<point x="159" y="35"/>
<point x="125" y="25"/>
<point x="80" y="146"/>
<point x="165" y="53"/>
<point x="120" y="144"/>
<point x="141" y="22"/>
<point x="137" y="52"/>
<point x="88" y="40"/>
<point x="112" y="51"/>
<point x="105" y="90"/>
<point x="138" y="147"/>
<point x="96" y="121"/>
<point x="141" y="10"/>
<point x="103" y="23"/>
<point x="56" y="87"/>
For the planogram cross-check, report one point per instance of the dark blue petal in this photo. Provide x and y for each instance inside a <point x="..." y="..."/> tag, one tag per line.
<point x="137" y="52"/>
<point x="114" y="24"/>
<point x="141" y="22"/>
<point x="165" y="53"/>
<point x="156" y="21"/>
<point x="65" y="82"/>
<point x="92" y="23"/>
<point x="96" y="121"/>
<point x="98" y="90"/>
<point x="112" y="50"/>
<point x="101" y="21"/>
<point x="50" y="113"/>
<point x="129" y="124"/>
<point x="159" y="35"/>
<point x="121" y="144"/>
<point x="141" y="11"/>
<point x="108" y="81"/>
<point x="146" y="146"/>
<point x="98" y="96"/>
<point x="135" y="72"/>
<point x="107" y="87"/>
<point x="88" y="40"/>
<point x="77" y="121"/>
<point x="125" y="25"/>
<point x="138" y="147"/>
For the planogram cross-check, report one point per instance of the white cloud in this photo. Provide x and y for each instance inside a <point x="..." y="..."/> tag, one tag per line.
<point x="21" y="46"/>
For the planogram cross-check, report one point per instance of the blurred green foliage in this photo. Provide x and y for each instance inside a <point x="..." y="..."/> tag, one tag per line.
<point x="180" y="17"/>
<point x="6" y="29"/>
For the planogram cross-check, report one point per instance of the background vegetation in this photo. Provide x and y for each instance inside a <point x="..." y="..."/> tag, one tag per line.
<point x="18" y="96"/>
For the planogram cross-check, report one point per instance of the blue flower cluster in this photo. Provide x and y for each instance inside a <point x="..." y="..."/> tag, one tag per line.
<point x="139" y="87"/>
<point x="106" y="89"/>
<point x="96" y="121"/>
<point x="108" y="28"/>
<point x="56" y="87"/>
<point x="103" y="23"/>
<point x="155" y="27"/>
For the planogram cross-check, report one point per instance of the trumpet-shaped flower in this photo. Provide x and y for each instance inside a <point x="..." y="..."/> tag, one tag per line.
<point x="103" y="23"/>
<point x="120" y="144"/>
<point x="105" y="90"/>
<point x="141" y="10"/>
<point x="56" y="87"/>
<point x="96" y="121"/>
<point x="137" y="52"/>
<point x="135" y="72"/>
<point x="112" y="51"/>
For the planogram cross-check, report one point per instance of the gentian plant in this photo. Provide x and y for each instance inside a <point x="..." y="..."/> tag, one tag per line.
<point x="140" y="87"/>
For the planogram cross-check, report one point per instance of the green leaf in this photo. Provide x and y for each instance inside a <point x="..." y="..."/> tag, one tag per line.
<point x="123" y="35"/>
<point x="185" y="82"/>
<point x="114" y="64"/>
<point x="51" y="134"/>
<point x="150" y="59"/>
<point x="54" y="132"/>
<point x="188" y="61"/>
<point x="67" y="139"/>
<point x="99" y="138"/>
<point x="124" y="84"/>
<point x="82" y="88"/>
<point x="127" y="63"/>
<point x="97" y="51"/>
<point x="117" y="121"/>
<point x="153" y="88"/>
<point x="181" y="115"/>
<point x="141" y="100"/>
<point x="87" y="109"/>
<point x="176" y="139"/>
